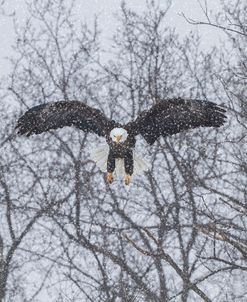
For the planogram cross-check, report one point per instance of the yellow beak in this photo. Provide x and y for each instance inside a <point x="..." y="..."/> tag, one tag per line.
<point x="118" y="138"/>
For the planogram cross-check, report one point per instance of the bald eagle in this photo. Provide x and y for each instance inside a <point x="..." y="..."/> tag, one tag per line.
<point x="165" y="118"/>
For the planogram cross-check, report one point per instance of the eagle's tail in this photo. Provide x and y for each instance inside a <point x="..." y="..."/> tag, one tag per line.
<point x="100" y="156"/>
<point x="140" y="165"/>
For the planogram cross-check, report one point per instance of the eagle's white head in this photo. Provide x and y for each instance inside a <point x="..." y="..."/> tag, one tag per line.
<point x="119" y="135"/>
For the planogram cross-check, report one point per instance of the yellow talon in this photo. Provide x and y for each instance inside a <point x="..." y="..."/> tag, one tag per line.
<point x="109" y="177"/>
<point x="127" y="179"/>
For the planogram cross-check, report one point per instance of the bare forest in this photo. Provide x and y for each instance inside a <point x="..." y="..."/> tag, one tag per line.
<point x="180" y="232"/>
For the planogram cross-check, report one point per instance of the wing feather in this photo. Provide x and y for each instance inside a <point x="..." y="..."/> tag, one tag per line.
<point x="172" y="116"/>
<point x="55" y="115"/>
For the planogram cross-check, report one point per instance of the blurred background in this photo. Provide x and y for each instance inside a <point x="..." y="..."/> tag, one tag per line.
<point x="179" y="232"/>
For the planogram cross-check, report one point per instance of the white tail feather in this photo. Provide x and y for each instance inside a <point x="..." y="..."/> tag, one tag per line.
<point x="140" y="165"/>
<point x="100" y="156"/>
<point x="119" y="167"/>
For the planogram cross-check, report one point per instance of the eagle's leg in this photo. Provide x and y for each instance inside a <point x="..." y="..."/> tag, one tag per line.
<point x="129" y="167"/>
<point x="109" y="177"/>
<point x="127" y="179"/>
<point x="110" y="167"/>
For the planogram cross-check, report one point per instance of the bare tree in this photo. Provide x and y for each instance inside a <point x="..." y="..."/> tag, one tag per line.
<point x="179" y="233"/>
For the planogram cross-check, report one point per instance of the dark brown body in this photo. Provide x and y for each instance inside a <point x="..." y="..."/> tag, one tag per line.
<point x="121" y="150"/>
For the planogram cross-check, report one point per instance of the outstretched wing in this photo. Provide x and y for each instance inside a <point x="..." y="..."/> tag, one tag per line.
<point x="55" y="115"/>
<point x="171" y="116"/>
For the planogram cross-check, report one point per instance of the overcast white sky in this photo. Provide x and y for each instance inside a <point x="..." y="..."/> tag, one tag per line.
<point x="105" y="10"/>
